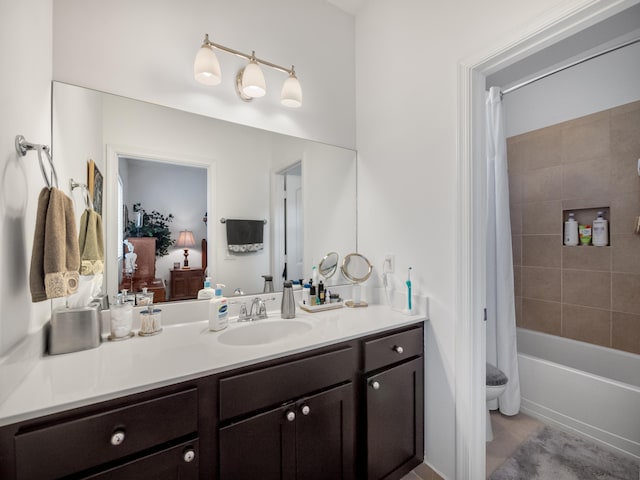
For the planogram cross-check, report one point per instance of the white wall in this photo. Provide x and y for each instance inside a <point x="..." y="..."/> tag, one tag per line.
<point x="407" y="52"/>
<point x="599" y="84"/>
<point x="145" y="50"/>
<point x="25" y="51"/>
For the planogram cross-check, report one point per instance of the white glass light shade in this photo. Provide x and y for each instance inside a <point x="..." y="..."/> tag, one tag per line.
<point x="206" y="68"/>
<point x="291" y="95"/>
<point x="253" y="84"/>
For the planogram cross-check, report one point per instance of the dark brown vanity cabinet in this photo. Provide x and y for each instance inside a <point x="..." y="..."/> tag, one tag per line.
<point x="393" y="423"/>
<point x="290" y="421"/>
<point x="154" y="435"/>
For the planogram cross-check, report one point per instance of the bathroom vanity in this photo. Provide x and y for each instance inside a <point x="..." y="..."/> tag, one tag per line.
<point x="343" y="400"/>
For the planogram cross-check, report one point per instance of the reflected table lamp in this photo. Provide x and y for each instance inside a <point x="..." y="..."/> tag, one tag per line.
<point x="186" y="241"/>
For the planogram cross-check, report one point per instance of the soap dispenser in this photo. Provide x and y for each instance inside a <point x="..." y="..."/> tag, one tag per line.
<point x="218" y="311"/>
<point x="208" y="291"/>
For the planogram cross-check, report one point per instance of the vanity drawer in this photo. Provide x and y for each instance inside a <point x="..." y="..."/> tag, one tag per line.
<point x="247" y="392"/>
<point x="72" y="446"/>
<point x="393" y="348"/>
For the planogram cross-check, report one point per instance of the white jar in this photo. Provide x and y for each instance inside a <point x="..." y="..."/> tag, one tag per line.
<point x="121" y="319"/>
<point x="571" y="231"/>
<point x="600" y="231"/>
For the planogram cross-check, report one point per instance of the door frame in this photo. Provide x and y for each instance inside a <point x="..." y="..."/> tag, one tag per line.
<point x="470" y="349"/>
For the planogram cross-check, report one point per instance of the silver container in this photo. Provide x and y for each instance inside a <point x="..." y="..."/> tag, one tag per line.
<point x="288" y="306"/>
<point x="74" y="329"/>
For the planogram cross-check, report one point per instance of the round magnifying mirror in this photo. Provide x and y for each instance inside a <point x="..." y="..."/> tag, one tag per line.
<point x="356" y="268"/>
<point x="329" y="265"/>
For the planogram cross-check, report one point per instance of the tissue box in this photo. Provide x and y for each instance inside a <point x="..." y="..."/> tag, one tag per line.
<point x="74" y="329"/>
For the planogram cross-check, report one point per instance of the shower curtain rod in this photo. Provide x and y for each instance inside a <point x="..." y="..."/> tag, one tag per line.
<point x="572" y="64"/>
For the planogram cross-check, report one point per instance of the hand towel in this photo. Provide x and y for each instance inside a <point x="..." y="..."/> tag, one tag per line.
<point x="55" y="257"/>
<point x="245" y="235"/>
<point x="91" y="243"/>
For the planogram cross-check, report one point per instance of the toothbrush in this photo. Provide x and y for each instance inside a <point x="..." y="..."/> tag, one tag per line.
<point x="409" y="288"/>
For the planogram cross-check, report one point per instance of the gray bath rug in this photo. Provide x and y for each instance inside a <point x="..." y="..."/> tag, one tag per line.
<point x="550" y="454"/>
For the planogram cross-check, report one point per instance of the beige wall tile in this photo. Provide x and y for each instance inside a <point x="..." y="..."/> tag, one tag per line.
<point x="624" y="172"/>
<point x="587" y="324"/>
<point x="516" y="249"/>
<point x="587" y="258"/>
<point x="625" y="332"/>
<point x="541" y="283"/>
<point x="541" y="316"/>
<point x="625" y="208"/>
<point x="516" y="188"/>
<point x="587" y="288"/>
<point x="541" y="250"/>
<point x="586" y="138"/>
<point x="519" y="311"/>
<point x="625" y="130"/>
<point x="593" y="203"/>
<point x="517" y="281"/>
<point x="543" y="184"/>
<point x="515" y="213"/>
<point x="542" y="218"/>
<point x="586" y="179"/>
<point x="625" y="294"/>
<point x="516" y="160"/>
<point x="625" y="250"/>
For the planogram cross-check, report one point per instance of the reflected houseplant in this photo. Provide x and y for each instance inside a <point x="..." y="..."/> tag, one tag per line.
<point x="154" y="224"/>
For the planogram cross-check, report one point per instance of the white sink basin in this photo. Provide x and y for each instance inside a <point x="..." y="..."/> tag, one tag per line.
<point x="260" y="332"/>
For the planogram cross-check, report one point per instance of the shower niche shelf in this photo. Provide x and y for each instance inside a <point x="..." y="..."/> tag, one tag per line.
<point x="586" y="216"/>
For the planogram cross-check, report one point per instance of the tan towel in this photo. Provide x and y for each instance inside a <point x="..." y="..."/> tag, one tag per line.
<point x="55" y="258"/>
<point x="91" y="243"/>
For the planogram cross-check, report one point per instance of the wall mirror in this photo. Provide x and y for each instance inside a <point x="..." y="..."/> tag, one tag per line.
<point x="304" y="191"/>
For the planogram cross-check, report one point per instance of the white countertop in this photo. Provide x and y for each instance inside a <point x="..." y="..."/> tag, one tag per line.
<point x="180" y="352"/>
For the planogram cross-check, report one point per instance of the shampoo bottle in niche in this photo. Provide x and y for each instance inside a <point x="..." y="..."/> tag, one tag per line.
<point x="208" y="291"/>
<point x="571" y="231"/>
<point x="600" y="231"/>
<point x="218" y="311"/>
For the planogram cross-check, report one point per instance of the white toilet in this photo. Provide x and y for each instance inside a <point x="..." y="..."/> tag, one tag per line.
<point x="496" y="384"/>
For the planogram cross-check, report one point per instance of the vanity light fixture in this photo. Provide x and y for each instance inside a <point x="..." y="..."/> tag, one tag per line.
<point x="250" y="81"/>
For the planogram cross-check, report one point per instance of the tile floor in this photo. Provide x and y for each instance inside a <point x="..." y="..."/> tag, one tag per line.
<point x="508" y="433"/>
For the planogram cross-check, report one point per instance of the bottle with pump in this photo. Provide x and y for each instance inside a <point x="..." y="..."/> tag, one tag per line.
<point x="208" y="291"/>
<point x="571" y="231"/>
<point x="600" y="231"/>
<point x="218" y="311"/>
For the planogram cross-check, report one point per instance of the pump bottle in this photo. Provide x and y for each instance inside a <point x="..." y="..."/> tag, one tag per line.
<point x="218" y="311"/>
<point x="208" y="291"/>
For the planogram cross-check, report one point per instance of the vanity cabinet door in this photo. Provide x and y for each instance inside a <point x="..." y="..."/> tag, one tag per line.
<point x="311" y="439"/>
<point x="325" y="435"/>
<point x="395" y="420"/>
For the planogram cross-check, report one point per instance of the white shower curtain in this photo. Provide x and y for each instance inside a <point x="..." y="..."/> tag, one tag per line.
<point x="501" y="315"/>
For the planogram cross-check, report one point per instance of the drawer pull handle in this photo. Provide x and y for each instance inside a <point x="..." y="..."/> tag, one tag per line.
<point x="189" y="456"/>
<point x="117" y="438"/>
<point x="291" y="416"/>
<point x="375" y="385"/>
<point x="398" y="349"/>
<point x="306" y="410"/>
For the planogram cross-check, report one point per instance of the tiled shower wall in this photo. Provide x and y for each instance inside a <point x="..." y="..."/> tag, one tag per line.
<point x="584" y="165"/>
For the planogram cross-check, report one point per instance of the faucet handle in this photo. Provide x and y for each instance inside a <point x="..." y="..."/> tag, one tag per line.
<point x="262" y="310"/>
<point x="242" y="316"/>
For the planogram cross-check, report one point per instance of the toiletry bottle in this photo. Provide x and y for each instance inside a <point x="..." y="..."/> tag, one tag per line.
<point x="600" y="231"/>
<point x="313" y="297"/>
<point x="314" y="275"/>
<point x="306" y="294"/>
<point x="321" y="293"/>
<point x="288" y="305"/>
<point x="218" y="310"/>
<point x="571" y="231"/>
<point x="208" y="291"/>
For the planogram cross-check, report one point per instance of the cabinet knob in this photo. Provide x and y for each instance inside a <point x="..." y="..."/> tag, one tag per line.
<point x="291" y="416"/>
<point x="118" y="437"/>
<point x="189" y="456"/>
<point x="398" y="349"/>
<point x="375" y="385"/>
<point x="306" y="410"/>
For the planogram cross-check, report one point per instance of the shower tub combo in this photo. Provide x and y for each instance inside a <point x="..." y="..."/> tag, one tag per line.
<point x="583" y="388"/>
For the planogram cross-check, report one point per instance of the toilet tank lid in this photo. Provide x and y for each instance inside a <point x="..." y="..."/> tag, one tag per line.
<point x="495" y="376"/>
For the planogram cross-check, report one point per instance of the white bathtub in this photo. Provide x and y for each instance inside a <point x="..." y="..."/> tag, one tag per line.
<point x="583" y="388"/>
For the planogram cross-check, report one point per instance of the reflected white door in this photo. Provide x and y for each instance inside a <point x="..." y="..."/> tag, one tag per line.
<point x="294" y="223"/>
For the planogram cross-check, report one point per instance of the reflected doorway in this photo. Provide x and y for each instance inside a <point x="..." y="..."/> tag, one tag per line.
<point x="290" y="256"/>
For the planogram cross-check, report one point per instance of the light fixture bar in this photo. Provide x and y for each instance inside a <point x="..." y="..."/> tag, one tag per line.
<point x="246" y="56"/>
